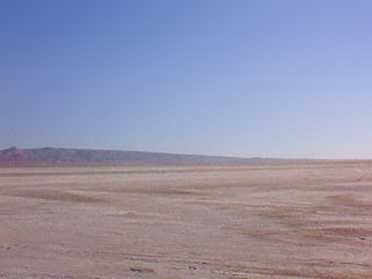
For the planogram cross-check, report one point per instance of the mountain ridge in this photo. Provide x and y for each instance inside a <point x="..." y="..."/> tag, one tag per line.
<point x="69" y="157"/>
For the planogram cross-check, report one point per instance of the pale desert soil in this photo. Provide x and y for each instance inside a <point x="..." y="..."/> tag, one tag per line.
<point x="185" y="222"/>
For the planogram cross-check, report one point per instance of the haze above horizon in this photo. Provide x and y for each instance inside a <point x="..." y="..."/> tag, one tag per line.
<point x="260" y="78"/>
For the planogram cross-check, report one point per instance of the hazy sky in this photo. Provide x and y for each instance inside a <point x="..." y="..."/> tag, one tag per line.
<point x="241" y="78"/>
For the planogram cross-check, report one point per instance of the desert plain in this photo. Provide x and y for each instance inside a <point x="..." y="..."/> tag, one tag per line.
<point x="236" y="222"/>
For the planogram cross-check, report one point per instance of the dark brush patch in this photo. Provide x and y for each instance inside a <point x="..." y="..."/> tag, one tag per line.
<point x="56" y="196"/>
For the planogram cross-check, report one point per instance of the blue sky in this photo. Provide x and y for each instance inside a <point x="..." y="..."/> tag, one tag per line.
<point x="239" y="78"/>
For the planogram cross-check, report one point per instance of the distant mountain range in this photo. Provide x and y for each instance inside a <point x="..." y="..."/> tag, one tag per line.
<point x="54" y="157"/>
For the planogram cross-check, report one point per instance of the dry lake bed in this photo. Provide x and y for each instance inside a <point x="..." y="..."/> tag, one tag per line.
<point x="295" y="221"/>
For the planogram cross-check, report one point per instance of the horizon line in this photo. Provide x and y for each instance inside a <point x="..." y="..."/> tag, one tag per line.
<point x="189" y="154"/>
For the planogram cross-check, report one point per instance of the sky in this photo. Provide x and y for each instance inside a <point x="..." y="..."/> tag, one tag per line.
<point x="252" y="78"/>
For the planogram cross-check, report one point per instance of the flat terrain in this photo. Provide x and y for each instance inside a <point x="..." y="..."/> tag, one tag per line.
<point x="310" y="221"/>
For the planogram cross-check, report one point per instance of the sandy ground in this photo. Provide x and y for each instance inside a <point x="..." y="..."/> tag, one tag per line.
<point x="173" y="223"/>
